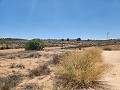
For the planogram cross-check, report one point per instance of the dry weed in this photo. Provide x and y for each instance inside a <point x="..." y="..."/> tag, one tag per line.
<point x="81" y="69"/>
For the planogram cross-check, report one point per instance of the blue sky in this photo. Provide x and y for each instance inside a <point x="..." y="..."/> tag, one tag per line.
<point x="47" y="19"/>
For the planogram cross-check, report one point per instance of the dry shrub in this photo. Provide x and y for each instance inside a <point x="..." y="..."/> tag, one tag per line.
<point x="21" y="55"/>
<point x="15" y="65"/>
<point x="56" y="59"/>
<point x="10" y="81"/>
<point x="31" y="86"/>
<point x="111" y="47"/>
<point x="11" y="57"/>
<point x="40" y="70"/>
<point x="81" y="70"/>
<point x="29" y="54"/>
<point x="108" y="48"/>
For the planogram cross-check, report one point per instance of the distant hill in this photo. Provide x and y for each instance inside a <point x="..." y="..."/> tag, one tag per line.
<point x="9" y="43"/>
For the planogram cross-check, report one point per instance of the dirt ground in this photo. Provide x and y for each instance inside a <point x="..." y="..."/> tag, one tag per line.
<point x="112" y="78"/>
<point x="45" y="81"/>
<point x="11" y="50"/>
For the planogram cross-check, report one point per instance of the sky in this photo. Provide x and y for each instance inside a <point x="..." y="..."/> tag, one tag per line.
<point x="56" y="19"/>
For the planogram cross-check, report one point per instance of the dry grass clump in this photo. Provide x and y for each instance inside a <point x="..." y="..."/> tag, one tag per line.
<point x="11" y="57"/>
<point x="31" y="86"/>
<point x="56" y="59"/>
<point x="15" y="65"/>
<point x="28" y="54"/>
<point x="111" y="47"/>
<point x="40" y="70"/>
<point x="21" y="55"/>
<point x="107" y="48"/>
<point x="10" y="81"/>
<point x="81" y="70"/>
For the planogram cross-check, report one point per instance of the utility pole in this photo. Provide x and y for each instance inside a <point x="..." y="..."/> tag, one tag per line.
<point x="107" y="35"/>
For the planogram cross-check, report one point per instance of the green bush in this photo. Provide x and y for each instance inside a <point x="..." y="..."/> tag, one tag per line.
<point x="34" y="44"/>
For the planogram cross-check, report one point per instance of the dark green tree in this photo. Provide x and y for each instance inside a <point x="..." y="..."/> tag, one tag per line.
<point x="68" y="39"/>
<point x="62" y="39"/>
<point x="78" y="39"/>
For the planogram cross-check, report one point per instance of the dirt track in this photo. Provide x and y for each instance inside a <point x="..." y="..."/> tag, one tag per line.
<point x="113" y="77"/>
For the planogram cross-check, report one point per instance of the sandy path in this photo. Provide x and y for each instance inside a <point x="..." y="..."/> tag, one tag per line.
<point x="11" y="50"/>
<point x="113" y="77"/>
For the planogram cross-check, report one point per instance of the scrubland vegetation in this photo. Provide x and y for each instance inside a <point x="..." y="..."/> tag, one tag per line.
<point x="20" y="55"/>
<point x="65" y="68"/>
<point x="13" y="43"/>
<point x="31" y="86"/>
<point x="111" y="48"/>
<point x="14" y="65"/>
<point x="81" y="70"/>
<point x="10" y="81"/>
<point x="40" y="70"/>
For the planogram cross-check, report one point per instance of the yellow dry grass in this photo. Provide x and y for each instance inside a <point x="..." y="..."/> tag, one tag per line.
<point x="81" y="69"/>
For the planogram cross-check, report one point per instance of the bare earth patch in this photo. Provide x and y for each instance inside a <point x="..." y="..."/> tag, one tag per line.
<point x="11" y="50"/>
<point x="113" y="77"/>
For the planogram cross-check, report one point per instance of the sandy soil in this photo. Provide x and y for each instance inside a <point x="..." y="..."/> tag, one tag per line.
<point x="113" y="77"/>
<point x="111" y="57"/>
<point x="21" y="49"/>
<point x="11" y="50"/>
